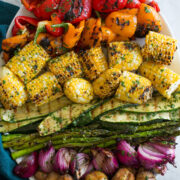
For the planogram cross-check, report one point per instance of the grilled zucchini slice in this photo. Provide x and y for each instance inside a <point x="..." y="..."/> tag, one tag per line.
<point x="30" y="111"/>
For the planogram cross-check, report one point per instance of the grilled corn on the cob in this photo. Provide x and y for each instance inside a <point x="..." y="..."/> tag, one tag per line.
<point x="28" y="62"/>
<point x="65" y="67"/>
<point x="79" y="90"/>
<point x="43" y="89"/>
<point x="134" y="88"/>
<point x="163" y="79"/>
<point x="124" y="55"/>
<point x="12" y="90"/>
<point x="107" y="83"/>
<point x="93" y="62"/>
<point x="159" y="48"/>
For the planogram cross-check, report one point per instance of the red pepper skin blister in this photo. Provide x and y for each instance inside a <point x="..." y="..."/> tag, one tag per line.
<point x="44" y="10"/>
<point x="133" y="4"/>
<point x="108" y="5"/>
<point x="74" y="11"/>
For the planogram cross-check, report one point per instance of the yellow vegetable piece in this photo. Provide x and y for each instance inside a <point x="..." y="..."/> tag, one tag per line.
<point x="79" y="90"/>
<point x="12" y="90"/>
<point x="134" y="88"/>
<point x="163" y="79"/>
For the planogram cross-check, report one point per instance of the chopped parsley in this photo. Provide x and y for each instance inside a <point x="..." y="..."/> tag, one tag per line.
<point x="147" y="10"/>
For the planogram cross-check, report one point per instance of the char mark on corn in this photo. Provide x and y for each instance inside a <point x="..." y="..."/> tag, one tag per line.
<point x="134" y="88"/>
<point x="44" y="88"/>
<point x="28" y="62"/>
<point x="93" y="62"/>
<point x="65" y="67"/>
<point x="124" y="55"/>
<point x="107" y="83"/>
<point x="159" y="48"/>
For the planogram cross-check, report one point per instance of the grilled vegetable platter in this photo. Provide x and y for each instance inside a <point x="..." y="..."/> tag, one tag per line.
<point x="82" y="99"/>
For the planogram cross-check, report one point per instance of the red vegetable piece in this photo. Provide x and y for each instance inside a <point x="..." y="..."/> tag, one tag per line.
<point x="45" y="159"/>
<point x="104" y="160"/>
<point x="155" y="5"/>
<point x="16" y="30"/>
<point x="28" y="166"/>
<point x="169" y="152"/>
<point x="126" y="154"/>
<point x="142" y="1"/>
<point x="54" y="20"/>
<point x="62" y="160"/>
<point x="29" y="4"/>
<point x="133" y="4"/>
<point x="147" y="160"/>
<point x="45" y="9"/>
<point x="21" y="22"/>
<point x="108" y="5"/>
<point x="75" y="11"/>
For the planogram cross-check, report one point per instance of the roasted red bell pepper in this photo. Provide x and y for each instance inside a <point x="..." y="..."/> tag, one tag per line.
<point x="41" y="8"/>
<point x="133" y="4"/>
<point x="108" y="5"/>
<point x="54" y="20"/>
<point x="142" y="1"/>
<point x="155" y="5"/>
<point x="44" y="9"/>
<point x="47" y="26"/>
<point x="21" y="24"/>
<point x="74" y="11"/>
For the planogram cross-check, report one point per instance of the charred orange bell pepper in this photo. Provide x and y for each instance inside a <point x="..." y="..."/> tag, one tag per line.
<point x="133" y="11"/>
<point x="44" y="39"/>
<point x="29" y="4"/>
<point x="148" y="20"/>
<point x="122" y="24"/>
<point x="121" y="38"/>
<point x="10" y="45"/>
<point x="72" y="33"/>
<point x="51" y="44"/>
<point x="107" y="35"/>
<point x="92" y="34"/>
<point x="57" y="46"/>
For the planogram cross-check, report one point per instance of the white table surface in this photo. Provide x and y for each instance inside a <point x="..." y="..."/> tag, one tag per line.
<point x="171" y="10"/>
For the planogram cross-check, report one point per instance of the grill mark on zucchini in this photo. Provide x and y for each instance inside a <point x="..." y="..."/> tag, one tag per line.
<point x="70" y="112"/>
<point x="49" y="107"/>
<point x="155" y="104"/>
<point x="109" y="106"/>
<point x="68" y="115"/>
<point x="27" y="108"/>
